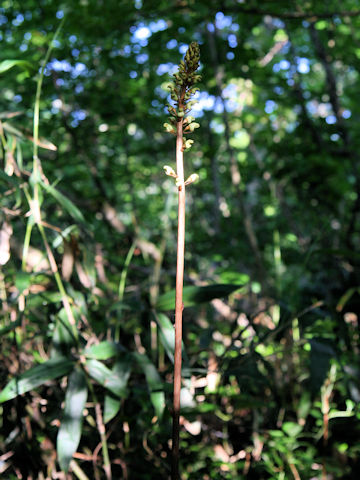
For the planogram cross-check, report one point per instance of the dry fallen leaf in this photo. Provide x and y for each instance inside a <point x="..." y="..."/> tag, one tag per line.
<point x="5" y="235"/>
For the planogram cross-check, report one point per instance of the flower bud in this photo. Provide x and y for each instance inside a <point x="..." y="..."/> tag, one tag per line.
<point x="169" y="128"/>
<point x="189" y="119"/>
<point x="169" y="171"/>
<point x="188" y="143"/>
<point x="193" y="178"/>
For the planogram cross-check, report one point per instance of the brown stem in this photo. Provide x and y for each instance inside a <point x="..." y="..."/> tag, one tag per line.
<point x="294" y="471"/>
<point x="178" y="301"/>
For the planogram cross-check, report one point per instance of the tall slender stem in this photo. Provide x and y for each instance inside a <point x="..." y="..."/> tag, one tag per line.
<point x="182" y="89"/>
<point x="178" y="300"/>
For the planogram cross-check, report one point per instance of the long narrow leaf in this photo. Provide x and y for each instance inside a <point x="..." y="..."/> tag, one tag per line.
<point x="64" y="202"/>
<point x="103" y="350"/>
<point x="122" y="368"/>
<point x="23" y="64"/>
<point x="64" y="336"/>
<point x="154" y="382"/>
<point x="167" y="336"/>
<point x="53" y="368"/>
<point x="23" y="133"/>
<point x="112" y="405"/>
<point x="71" y="425"/>
<point x="115" y="381"/>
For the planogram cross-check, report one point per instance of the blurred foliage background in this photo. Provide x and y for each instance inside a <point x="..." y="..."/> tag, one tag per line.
<point x="88" y="240"/>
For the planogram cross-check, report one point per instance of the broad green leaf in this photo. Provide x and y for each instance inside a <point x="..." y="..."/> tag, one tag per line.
<point x="113" y="380"/>
<point x="23" y="64"/>
<point x="103" y="351"/>
<point x="71" y="425"/>
<point x="22" y="281"/>
<point x="49" y="370"/>
<point x="193" y="295"/>
<point x="154" y="382"/>
<point x="64" y="202"/>
<point x="292" y="429"/>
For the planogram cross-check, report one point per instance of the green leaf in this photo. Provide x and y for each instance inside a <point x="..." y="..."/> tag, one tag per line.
<point x="304" y="405"/>
<point x="71" y="425"/>
<point x="166" y="333"/>
<point x="104" y="350"/>
<point x="64" y="337"/>
<point x="292" y="429"/>
<point x="167" y="336"/>
<point x="276" y="433"/>
<point x="193" y="295"/>
<point x="23" y="64"/>
<point x="346" y="297"/>
<point x="64" y="202"/>
<point x="65" y="235"/>
<point x="154" y="382"/>
<point x="13" y="130"/>
<point x="111" y="407"/>
<point x="113" y="380"/>
<point x="43" y="298"/>
<point x="22" y="281"/>
<point x="122" y="368"/>
<point x="53" y="368"/>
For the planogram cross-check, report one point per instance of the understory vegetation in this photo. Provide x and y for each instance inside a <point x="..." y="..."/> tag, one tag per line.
<point x="88" y="225"/>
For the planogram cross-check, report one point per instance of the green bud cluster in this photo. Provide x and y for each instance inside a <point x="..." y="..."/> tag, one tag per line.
<point x="181" y="91"/>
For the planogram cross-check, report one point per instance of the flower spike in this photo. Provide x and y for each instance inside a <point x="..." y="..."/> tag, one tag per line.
<point x="182" y="89"/>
